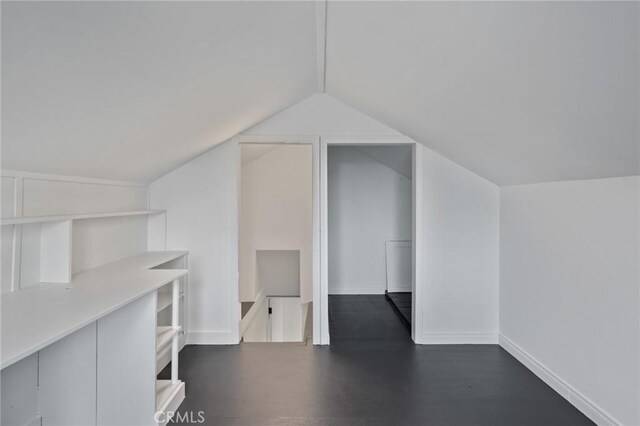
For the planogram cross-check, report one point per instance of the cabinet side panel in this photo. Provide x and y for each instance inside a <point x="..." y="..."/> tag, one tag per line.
<point x="127" y="363"/>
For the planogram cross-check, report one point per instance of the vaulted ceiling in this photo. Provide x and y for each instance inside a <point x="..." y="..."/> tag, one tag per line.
<point x="131" y="90"/>
<point x="517" y="92"/>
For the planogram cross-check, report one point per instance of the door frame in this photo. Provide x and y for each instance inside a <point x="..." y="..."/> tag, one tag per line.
<point x="319" y="305"/>
<point x="320" y="222"/>
<point x="417" y="277"/>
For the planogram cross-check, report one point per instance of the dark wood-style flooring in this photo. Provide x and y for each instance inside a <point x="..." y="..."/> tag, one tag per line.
<point x="371" y="375"/>
<point x="401" y="302"/>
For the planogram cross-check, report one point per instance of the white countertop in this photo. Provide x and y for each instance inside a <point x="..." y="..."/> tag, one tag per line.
<point x="37" y="316"/>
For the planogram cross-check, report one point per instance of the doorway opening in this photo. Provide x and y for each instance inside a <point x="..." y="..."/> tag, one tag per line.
<point x="370" y="241"/>
<point x="275" y="242"/>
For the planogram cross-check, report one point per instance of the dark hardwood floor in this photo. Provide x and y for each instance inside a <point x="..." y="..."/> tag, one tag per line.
<point x="401" y="303"/>
<point x="371" y="375"/>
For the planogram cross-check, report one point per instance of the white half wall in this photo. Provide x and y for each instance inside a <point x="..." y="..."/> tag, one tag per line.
<point x="202" y="216"/>
<point x="461" y="241"/>
<point x="569" y="290"/>
<point x="368" y="204"/>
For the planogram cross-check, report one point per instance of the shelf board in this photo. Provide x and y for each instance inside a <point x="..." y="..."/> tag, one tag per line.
<point x="169" y="396"/>
<point x="164" y="335"/>
<point x="40" y="315"/>
<point x="58" y="218"/>
<point x="165" y="299"/>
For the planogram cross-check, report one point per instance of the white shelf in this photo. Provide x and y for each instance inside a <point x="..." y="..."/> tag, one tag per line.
<point x="165" y="299"/>
<point x="169" y="396"/>
<point x="164" y="335"/>
<point x="36" y="317"/>
<point x="39" y="219"/>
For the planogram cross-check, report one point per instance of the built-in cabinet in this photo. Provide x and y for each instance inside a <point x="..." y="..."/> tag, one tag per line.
<point x="88" y="354"/>
<point x="93" y="307"/>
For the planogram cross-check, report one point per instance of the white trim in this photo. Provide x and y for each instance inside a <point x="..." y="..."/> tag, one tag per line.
<point x="64" y="178"/>
<point x="568" y="392"/>
<point x="418" y="254"/>
<point x="468" y="338"/>
<point x="418" y="250"/>
<point x="320" y="299"/>
<point x="368" y="140"/>
<point x="359" y="289"/>
<point x="323" y="291"/>
<point x="211" y="338"/>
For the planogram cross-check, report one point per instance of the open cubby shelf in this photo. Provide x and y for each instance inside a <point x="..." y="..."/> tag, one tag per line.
<point x="169" y="393"/>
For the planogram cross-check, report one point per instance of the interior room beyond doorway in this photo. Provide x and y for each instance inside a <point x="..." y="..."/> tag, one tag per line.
<point x="275" y="242"/>
<point x="370" y="237"/>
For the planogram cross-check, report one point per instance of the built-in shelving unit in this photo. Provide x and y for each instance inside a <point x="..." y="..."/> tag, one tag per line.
<point x="46" y="251"/>
<point x="88" y="303"/>
<point x="35" y="318"/>
<point x="165" y="335"/>
<point x="169" y="393"/>
<point x="165" y="299"/>
<point x="60" y="218"/>
<point x="79" y="337"/>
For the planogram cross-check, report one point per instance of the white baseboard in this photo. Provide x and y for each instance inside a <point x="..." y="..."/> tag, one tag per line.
<point x="470" y="338"/>
<point x="568" y="392"/>
<point x="400" y="289"/>
<point x="365" y="289"/>
<point x="212" y="338"/>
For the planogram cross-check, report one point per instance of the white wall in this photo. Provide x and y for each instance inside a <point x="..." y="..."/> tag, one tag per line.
<point x="460" y="288"/>
<point x="276" y="213"/>
<point x="95" y="241"/>
<point x="369" y="204"/>
<point x="569" y="290"/>
<point x="321" y="115"/>
<point x="460" y="230"/>
<point x="202" y="216"/>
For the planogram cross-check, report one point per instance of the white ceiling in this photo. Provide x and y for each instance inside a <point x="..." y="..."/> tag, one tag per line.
<point x="517" y="92"/>
<point x="131" y="90"/>
<point x="396" y="157"/>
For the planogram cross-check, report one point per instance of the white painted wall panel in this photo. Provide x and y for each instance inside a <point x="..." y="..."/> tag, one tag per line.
<point x="276" y="213"/>
<point x="100" y="241"/>
<point x="19" y="383"/>
<point x="202" y="215"/>
<point x="50" y="197"/>
<point x="278" y="272"/>
<point x="569" y="286"/>
<point x="369" y="204"/>
<point x="399" y="266"/>
<point x="67" y="394"/>
<point x="6" y="236"/>
<point x="30" y="255"/>
<point x="7" y="188"/>
<point x="461" y="242"/>
<point x="320" y="114"/>
<point x="285" y="322"/>
<point x="126" y="366"/>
